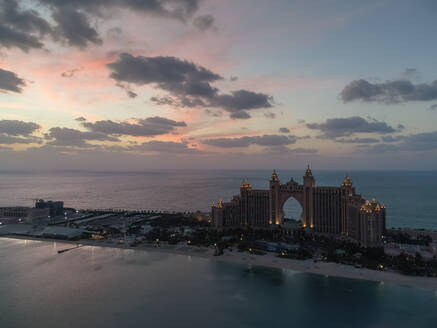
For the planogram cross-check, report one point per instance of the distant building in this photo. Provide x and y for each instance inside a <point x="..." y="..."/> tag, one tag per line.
<point x="55" y="208"/>
<point x="22" y="214"/>
<point x="366" y="222"/>
<point x="328" y="210"/>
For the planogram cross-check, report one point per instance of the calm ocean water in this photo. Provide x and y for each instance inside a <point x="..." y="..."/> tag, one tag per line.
<point x="411" y="197"/>
<point x="104" y="287"/>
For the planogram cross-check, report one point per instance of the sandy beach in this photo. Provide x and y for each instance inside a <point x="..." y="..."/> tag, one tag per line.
<point x="268" y="260"/>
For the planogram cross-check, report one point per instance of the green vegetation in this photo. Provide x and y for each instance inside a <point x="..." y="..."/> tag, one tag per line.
<point x="175" y="228"/>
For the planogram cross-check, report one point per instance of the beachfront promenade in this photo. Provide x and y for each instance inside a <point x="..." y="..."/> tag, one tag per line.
<point x="297" y="250"/>
<point x="267" y="260"/>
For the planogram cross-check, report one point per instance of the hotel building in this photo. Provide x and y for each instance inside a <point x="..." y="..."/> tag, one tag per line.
<point x="325" y="209"/>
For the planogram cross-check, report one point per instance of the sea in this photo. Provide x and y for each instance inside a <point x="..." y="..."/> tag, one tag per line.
<point x="108" y="287"/>
<point x="410" y="196"/>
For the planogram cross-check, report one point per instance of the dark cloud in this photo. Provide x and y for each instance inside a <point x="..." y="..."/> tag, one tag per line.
<point x="166" y="100"/>
<point x="242" y="100"/>
<point x="188" y="84"/>
<point x="18" y="132"/>
<point x="22" y="19"/>
<point x="9" y="81"/>
<point x="285" y="150"/>
<point x="148" y="127"/>
<point x="433" y="107"/>
<point x="130" y="93"/>
<point x="214" y="113"/>
<point x="412" y="73"/>
<point x="114" y="33"/>
<point x="80" y="119"/>
<point x="204" y="23"/>
<point x="9" y="140"/>
<point x="391" y="138"/>
<point x="183" y="101"/>
<point x="168" y="72"/>
<point x="165" y="147"/>
<point x="18" y="128"/>
<point x="284" y="130"/>
<point x="176" y="9"/>
<point x="304" y="150"/>
<point x="389" y="92"/>
<point x="420" y="141"/>
<point x="240" y="115"/>
<point x="233" y="78"/>
<point x="270" y="115"/>
<point x="380" y="148"/>
<point x="68" y="140"/>
<point x="71" y="72"/>
<point x="246" y="141"/>
<point x="74" y="22"/>
<point x="21" y="28"/>
<point x="358" y="140"/>
<point x="75" y="138"/>
<point x="341" y="127"/>
<point x="10" y="38"/>
<point x="426" y="141"/>
<point x="75" y="27"/>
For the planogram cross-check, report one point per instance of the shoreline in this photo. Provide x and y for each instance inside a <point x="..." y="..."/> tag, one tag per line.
<point x="268" y="260"/>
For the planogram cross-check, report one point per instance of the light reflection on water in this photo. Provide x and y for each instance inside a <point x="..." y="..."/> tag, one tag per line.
<point x="104" y="287"/>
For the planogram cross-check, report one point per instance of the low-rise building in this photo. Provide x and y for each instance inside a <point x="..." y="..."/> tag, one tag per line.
<point x="23" y="214"/>
<point x="55" y="208"/>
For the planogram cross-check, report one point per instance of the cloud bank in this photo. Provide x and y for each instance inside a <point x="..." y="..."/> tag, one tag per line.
<point x="9" y="81"/>
<point x="18" y="132"/>
<point x="188" y="84"/>
<point x="148" y="127"/>
<point x="246" y="141"/>
<point x="389" y="92"/>
<point x="341" y="127"/>
<point x="27" y="25"/>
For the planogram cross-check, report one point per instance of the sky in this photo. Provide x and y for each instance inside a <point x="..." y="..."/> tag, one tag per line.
<point x="217" y="84"/>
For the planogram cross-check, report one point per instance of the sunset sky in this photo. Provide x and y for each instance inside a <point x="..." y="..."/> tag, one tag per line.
<point x="157" y="84"/>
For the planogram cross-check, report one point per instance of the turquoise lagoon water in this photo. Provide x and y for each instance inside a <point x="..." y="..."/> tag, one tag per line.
<point x="104" y="287"/>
